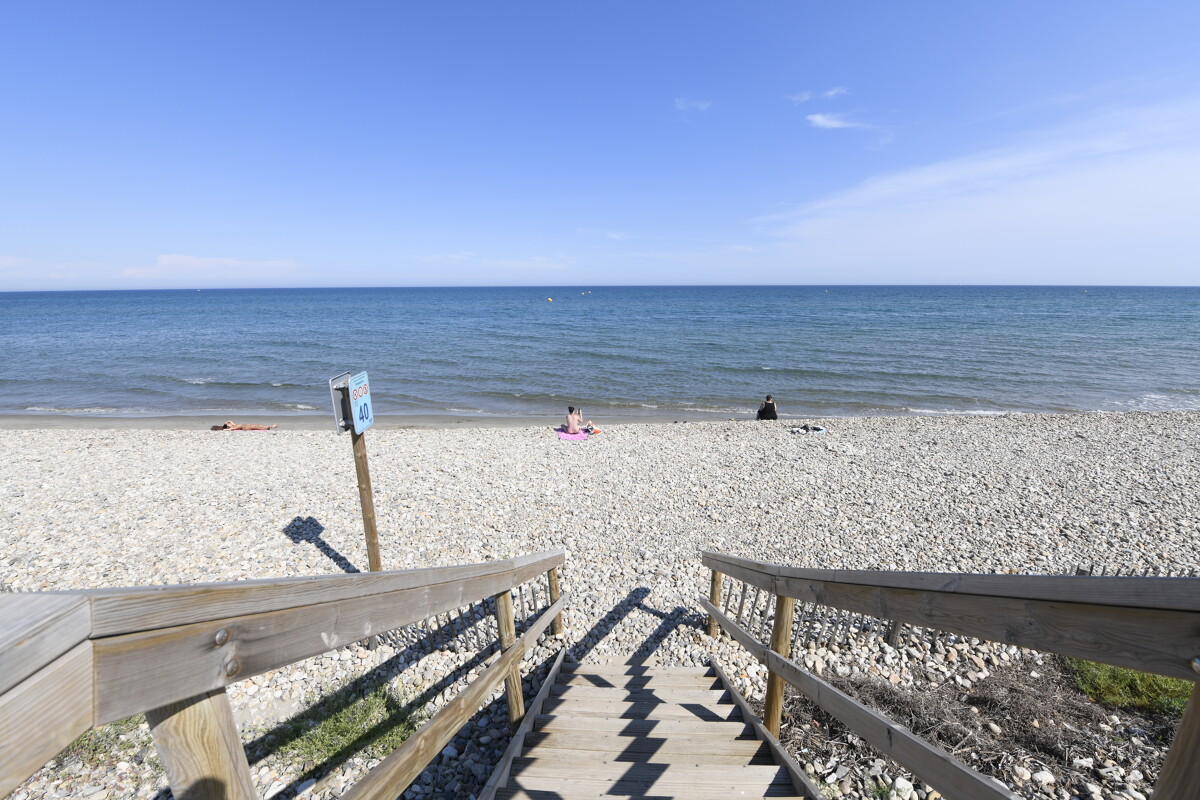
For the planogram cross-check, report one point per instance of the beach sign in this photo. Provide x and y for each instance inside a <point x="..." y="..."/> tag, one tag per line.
<point x="338" y="388"/>
<point x="360" y="403"/>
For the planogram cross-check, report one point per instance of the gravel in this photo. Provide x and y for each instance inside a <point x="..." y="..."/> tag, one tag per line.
<point x="632" y="507"/>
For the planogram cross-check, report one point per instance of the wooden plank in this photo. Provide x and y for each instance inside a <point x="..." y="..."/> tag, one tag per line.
<point x="613" y="746"/>
<point x="1180" y="775"/>
<point x="43" y="714"/>
<point x="120" y="611"/>
<point x="620" y="771"/>
<point x="556" y="627"/>
<point x="144" y="670"/>
<point x="781" y="643"/>
<point x="640" y="681"/>
<point x="197" y="741"/>
<point x="549" y="723"/>
<point x="392" y="776"/>
<point x="749" y="572"/>
<point x="591" y="790"/>
<point x="801" y="783"/>
<point x="714" y="597"/>
<point x="731" y="784"/>
<point x="699" y="712"/>
<point x="735" y="631"/>
<point x="512" y="682"/>
<point x="516" y="744"/>
<point x="1180" y="594"/>
<point x="1163" y="642"/>
<point x="35" y="629"/>
<point x="931" y="764"/>
<point x="659" y="694"/>
<point x="633" y="669"/>
<point x="529" y="566"/>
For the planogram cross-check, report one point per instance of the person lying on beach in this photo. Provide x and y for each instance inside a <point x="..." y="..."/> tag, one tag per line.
<point x="237" y="426"/>
<point x="767" y="409"/>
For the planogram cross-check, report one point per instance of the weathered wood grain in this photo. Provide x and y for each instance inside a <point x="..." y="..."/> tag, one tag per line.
<point x="939" y="769"/>
<point x="516" y="744"/>
<point x="1180" y="594"/>
<point x="43" y="714"/>
<point x="781" y="643"/>
<point x="714" y="597"/>
<point x="800" y="780"/>
<point x="149" y="669"/>
<point x="506" y="624"/>
<point x="735" y="631"/>
<point x="1180" y="775"/>
<point x="197" y="741"/>
<point x="392" y="776"/>
<point x="35" y="629"/>
<point x="120" y="611"/>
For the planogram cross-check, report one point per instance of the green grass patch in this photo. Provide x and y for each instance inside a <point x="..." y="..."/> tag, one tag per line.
<point x="118" y="741"/>
<point x="370" y="726"/>
<point x="1126" y="688"/>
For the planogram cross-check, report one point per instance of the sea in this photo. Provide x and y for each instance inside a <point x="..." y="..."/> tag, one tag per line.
<point x="688" y="352"/>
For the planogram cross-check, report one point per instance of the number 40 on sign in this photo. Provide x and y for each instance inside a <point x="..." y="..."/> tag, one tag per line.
<point x="360" y="403"/>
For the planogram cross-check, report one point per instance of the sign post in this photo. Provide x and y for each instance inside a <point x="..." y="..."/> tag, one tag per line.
<point x="352" y="411"/>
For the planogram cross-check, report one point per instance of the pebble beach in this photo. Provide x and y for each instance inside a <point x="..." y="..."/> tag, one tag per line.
<point x="633" y="507"/>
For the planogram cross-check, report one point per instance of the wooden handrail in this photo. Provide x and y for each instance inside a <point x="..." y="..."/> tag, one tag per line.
<point x="1149" y="624"/>
<point x="73" y="660"/>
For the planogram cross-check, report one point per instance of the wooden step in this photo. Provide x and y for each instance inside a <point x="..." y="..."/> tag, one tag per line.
<point x="656" y="695"/>
<point x="552" y="723"/>
<point x="591" y="707"/>
<point x="700" y="749"/>
<point x="635" y="669"/>
<point x="696" y="774"/>
<point x="735" y="782"/>
<point x="640" y="681"/>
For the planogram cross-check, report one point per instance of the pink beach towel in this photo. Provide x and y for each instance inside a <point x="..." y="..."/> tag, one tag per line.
<point x="581" y="436"/>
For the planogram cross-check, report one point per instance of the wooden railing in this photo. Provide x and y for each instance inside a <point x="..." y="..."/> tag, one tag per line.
<point x="1148" y="624"/>
<point x="70" y="661"/>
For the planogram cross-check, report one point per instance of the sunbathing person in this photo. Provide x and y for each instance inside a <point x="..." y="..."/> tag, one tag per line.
<point x="237" y="426"/>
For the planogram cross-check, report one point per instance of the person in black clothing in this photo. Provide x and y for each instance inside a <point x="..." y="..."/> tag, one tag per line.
<point x="767" y="409"/>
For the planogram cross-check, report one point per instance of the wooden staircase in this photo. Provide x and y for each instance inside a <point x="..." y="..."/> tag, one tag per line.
<point x="647" y="732"/>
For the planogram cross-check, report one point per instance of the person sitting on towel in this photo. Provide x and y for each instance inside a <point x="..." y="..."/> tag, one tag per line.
<point x="767" y="409"/>
<point x="573" y="420"/>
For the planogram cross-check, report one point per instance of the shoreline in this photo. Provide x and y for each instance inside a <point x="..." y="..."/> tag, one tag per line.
<point x="320" y="422"/>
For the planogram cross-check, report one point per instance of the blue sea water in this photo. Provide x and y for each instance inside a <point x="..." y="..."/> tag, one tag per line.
<point x="628" y="351"/>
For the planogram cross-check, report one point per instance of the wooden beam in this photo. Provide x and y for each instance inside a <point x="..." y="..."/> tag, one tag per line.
<point x="800" y="781"/>
<point x="35" y="629"/>
<point x="506" y="624"/>
<point x="781" y="643"/>
<point x="121" y="611"/>
<point x="931" y="764"/>
<point x="735" y="631"/>
<point x="1180" y="775"/>
<point x="714" y="598"/>
<point x="516" y="744"/>
<point x="197" y="740"/>
<point x="556" y="626"/>
<point x="1162" y="642"/>
<point x="393" y="775"/>
<point x="149" y="669"/>
<point x="1179" y="594"/>
<point x="43" y="714"/>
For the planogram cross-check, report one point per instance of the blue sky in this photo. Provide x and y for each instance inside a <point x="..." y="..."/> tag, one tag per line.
<point x="164" y="145"/>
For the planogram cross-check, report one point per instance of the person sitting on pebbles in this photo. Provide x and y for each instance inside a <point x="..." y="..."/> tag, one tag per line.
<point x="767" y="409"/>
<point x="238" y="426"/>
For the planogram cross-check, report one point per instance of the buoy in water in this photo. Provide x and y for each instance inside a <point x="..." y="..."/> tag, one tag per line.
<point x="549" y="299"/>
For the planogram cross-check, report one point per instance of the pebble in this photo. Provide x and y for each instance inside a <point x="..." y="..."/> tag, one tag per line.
<point x="633" y="507"/>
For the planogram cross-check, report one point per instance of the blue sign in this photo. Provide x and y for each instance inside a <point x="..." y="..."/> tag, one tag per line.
<point x="360" y="403"/>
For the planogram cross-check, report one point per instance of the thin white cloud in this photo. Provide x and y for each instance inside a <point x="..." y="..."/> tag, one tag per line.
<point x="606" y="233"/>
<point x="832" y="121"/>
<point x="835" y="92"/>
<point x="799" y="97"/>
<point x="202" y="267"/>
<point x="1107" y="199"/>
<point x="683" y="104"/>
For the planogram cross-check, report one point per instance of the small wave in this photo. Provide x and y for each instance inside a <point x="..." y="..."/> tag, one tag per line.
<point x="1155" y="401"/>
<point x="956" y="412"/>
<point x="299" y="406"/>
<point x="196" y="381"/>
<point x="90" y="410"/>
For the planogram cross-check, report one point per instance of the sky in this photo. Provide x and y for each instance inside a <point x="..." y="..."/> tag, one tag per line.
<point x="148" y="145"/>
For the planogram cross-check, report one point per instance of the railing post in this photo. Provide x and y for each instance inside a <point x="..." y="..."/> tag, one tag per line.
<point x="556" y="624"/>
<point x="508" y="636"/>
<point x="781" y="642"/>
<point x="714" y="597"/>
<point x="1180" y="776"/>
<point x="197" y="740"/>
